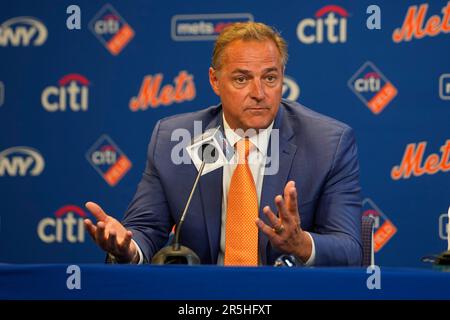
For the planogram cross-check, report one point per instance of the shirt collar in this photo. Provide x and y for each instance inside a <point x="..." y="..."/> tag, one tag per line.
<point x="260" y="140"/>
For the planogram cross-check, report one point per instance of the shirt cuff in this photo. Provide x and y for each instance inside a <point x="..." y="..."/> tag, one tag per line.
<point x="141" y="256"/>
<point x="311" y="259"/>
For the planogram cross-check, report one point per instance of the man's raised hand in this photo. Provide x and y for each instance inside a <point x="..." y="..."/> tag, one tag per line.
<point x="111" y="235"/>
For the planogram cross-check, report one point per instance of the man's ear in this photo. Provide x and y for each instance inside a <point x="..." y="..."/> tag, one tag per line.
<point x="214" y="81"/>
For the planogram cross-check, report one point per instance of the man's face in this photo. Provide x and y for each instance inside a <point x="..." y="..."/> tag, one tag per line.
<point x="249" y="83"/>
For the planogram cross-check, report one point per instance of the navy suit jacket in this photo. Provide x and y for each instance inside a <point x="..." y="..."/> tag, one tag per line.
<point x="317" y="152"/>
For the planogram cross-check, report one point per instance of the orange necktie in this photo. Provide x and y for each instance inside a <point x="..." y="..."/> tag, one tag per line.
<point x="241" y="237"/>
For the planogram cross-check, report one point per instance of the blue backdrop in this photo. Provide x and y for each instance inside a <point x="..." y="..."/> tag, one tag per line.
<point x="77" y="107"/>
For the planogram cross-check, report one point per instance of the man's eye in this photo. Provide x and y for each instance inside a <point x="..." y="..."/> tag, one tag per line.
<point x="271" y="78"/>
<point x="240" y="80"/>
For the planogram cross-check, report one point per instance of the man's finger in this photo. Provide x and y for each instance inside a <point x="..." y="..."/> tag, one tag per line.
<point x="273" y="219"/>
<point x="91" y="229"/>
<point x="268" y="231"/>
<point x="96" y="210"/>
<point x="282" y="210"/>
<point x="126" y="241"/>
<point x="100" y="235"/>
<point x="290" y="195"/>
<point x="112" y="242"/>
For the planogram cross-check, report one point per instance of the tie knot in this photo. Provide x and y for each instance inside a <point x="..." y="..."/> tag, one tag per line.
<point x="243" y="148"/>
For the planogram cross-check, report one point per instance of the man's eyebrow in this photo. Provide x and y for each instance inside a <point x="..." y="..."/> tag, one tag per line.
<point x="241" y="71"/>
<point x="270" y="69"/>
<point x="247" y="72"/>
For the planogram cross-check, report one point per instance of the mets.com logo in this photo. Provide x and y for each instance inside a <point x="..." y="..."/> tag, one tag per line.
<point x="22" y="31"/>
<point x="329" y="24"/>
<point x="66" y="226"/>
<point x="71" y="93"/>
<point x="108" y="160"/>
<point x="21" y="161"/>
<point x="192" y="27"/>
<point x="372" y="87"/>
<point x="111" y="29"/>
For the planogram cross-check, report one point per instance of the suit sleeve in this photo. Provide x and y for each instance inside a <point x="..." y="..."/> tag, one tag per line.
<point x="148" y="215"/>
<point x="337" y="235"/>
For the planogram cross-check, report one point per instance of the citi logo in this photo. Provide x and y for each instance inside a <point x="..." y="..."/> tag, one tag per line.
<point x="152" y="95"/>
<point x="330" y="24"/>
<point x="369" y="83"/>
<point x="108" y="160"/>
<point x="22" y="31"/>
<point x="109" y="24"/>
<point x="71" y="94"/>
<point x="291" y="90"/>
<point x="111" y="29"/>
<point x="372" y="87"/>
<point x="107" y="155"/>
<point x="67" y="225"/>
<point x="21" y="161"/>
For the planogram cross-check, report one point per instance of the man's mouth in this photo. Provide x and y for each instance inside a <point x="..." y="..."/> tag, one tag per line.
<point x="257" y="108"/>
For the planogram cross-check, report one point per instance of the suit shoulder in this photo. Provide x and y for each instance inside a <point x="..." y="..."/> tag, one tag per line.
<point x="305" y="114"/>
<point x="183" y="120"/>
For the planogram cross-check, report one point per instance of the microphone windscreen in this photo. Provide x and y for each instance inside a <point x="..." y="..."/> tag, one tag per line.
<point x="212" y="147"/>
<point x="208" y="152"/>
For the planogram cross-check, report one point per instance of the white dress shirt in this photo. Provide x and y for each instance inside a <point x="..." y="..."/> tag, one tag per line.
<point x="256" y="160"/>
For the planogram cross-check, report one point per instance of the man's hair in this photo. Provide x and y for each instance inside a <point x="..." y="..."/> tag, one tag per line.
<point x="247" y="31"/>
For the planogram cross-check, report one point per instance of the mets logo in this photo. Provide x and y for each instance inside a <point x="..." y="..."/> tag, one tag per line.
<point x="372" y="87"/>
<point x="384" y="228"/>
<point x="111" y="29"/>
<point x="108" y="160"/>
<point x="153" y="94"/>
<point x="415" y="26"/>
<point x="414" y="162"/>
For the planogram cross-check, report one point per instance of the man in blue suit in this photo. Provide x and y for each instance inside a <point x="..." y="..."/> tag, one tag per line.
<point x="315" y="187"/>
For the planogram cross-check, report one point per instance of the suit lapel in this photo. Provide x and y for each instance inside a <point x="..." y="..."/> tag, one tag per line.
<point x="274" y="184"/>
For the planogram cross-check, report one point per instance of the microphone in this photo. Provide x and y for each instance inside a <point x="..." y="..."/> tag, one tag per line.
<point x="288" y="260"/>
<point x="208" y="149"/>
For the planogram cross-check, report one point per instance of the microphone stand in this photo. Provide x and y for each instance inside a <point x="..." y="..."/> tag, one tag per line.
<point x="176" y="253"/>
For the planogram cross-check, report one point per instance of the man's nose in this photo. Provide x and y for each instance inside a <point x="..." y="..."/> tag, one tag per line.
<point x="257" y="90"/>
